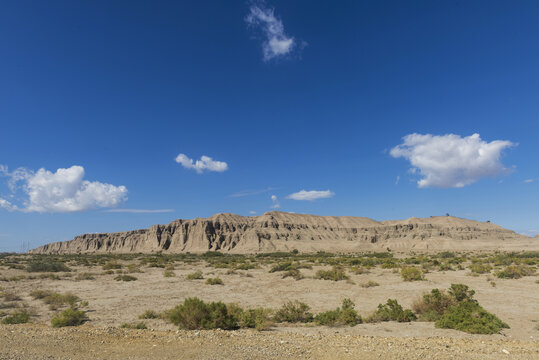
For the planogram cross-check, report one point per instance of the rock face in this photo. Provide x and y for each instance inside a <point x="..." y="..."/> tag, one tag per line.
<point x="278" y="231"/>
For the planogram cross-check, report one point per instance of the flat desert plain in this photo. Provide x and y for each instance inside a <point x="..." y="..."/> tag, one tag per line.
<point x="160" y="283"/>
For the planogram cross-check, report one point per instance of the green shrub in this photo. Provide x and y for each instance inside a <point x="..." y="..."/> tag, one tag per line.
<point x="392" y="311"/>
<point x="140" y="326"/>
<point x="410" y="273"/>
<point x="335" y="274"/>
<point x="55" y="300"/>
<point x="17" y="317"/>
<point x="294" y="273"/>
<point x="149" y="314"/>
<point x="84" y="276"/>
<point x="197" y="275"/>
<point x="47" y="267"/>
<point x="480" y="268"/>
<point x="294" y="312"/>
<point x="125" y="278"/>
<point x="69" y="317"/>
<point x="289" y="265"/>
<point x="196" y="314"/>
<point x="369" y="284"/>
<point x="133" y="268"/>
<point x="515" y="272"/>
<point x="214" y="281"/>
<point x="40" y="294"/>
<point x="432" y="306"/>
<point x="470" y="317"/>
<point x="345" y="315"/>
<point x="112" y="266"/>
<point x="258" y="319"/>
<point x="168" y="273"/>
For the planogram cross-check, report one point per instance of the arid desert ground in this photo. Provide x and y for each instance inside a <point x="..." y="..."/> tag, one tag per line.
<point x="114" y="291"/>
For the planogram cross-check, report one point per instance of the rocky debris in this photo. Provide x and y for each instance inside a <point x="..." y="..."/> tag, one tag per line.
<point x="32" y="341"/>
<point x="279" y="231"/>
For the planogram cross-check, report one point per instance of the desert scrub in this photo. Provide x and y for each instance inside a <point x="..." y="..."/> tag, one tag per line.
<point x="125" y="278"/>
<point x="294" y="312"/>
<point x="149" y="314"/>
<point x="140" y="326"/>
<point x="169" y="273"/>
<point x="47" y="267"/>
<point x="335" y="274"/>
<point x="69" y="317"/>
<point x="470" y="317"/>
<point x="214" y="281"/>
<point x="112" y="266"/>
<point x="479" y="268"/>
<point x="55" y="300"/>
<point x="289" y="265"/>
<point x="369" y="284"/>
<point x="433" y="305"/>
<point x="84" y="276"/>
<point x="258" y="318"/>
<point x="410" y="273"/>
<point x="197" y="275"/>
<point x="133" y="268"/>
<point x="195" y="314"/>
<point x="515" y="272"/>
<point x="17" y="317"/>
<point x="294" y="273"/>
<point x="345" y="315"/>
<point x="391" y="311"/>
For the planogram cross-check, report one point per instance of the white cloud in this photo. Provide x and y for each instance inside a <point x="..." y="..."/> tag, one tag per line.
<point x="252" y="212"/>
<point x="275" y="202"/>
<point x="311" y="195"/>
<point x="277" y="43"/>
<point x="529" y="181"/>
<point x="205" y="163"/>
<point x="397" y="180"/>
<point x="139" y="211"/>
<point x="61" y="191"/>
<point x="451" y="161"/>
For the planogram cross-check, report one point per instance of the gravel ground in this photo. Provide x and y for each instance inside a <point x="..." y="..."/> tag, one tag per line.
<point x="35" y="341"/>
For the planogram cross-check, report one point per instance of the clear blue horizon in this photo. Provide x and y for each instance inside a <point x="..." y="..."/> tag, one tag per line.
<point x="302" y="106"/>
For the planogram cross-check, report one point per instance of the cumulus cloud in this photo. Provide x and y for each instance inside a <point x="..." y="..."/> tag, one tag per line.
<point x="277" y="43"/>
<point x="205" y="163"/>
<point x="311" y="195"/>
<point x="451" y="161"/>
<point x="62" y="191"/>
<point x="275" y="202"/>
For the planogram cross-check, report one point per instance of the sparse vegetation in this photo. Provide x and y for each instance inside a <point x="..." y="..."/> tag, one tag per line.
<point x="149" y="314"/>
<point x="391" y="311"/>
<point x="369" y="284"/>
<point x="69" y="317"/>
<point x="169" y="273"/>
<point x="335" y="274"/>
<point x="214" y="281"/>
<point x="125" y="278"/>
<point x="17" y="317"/>
<point x="197" y="275"/>
<point x="195" y="314"/>
<point x="410" y="273"/>
<point x="47" y="267"/>
<point x="139" y="326"/>
<point x="294" y="312"/>
<point x="515" y="272"/>
<point x="345" y="315"/>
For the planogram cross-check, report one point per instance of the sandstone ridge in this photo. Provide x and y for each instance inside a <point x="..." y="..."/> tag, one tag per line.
<point x="279" y="231"/>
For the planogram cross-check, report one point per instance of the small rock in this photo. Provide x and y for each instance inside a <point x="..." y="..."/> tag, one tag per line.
<point x="505" y="352"/>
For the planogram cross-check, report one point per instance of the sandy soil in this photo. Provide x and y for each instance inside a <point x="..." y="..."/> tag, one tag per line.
<point x="112" y="303"/>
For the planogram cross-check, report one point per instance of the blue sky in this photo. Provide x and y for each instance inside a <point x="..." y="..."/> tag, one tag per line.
<point x="98" y="99"/>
